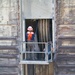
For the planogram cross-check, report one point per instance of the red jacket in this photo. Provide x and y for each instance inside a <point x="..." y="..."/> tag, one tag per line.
<point x="30" y="36"/>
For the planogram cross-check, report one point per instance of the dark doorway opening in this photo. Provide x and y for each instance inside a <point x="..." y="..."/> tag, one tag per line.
<point x="42" y="28"/>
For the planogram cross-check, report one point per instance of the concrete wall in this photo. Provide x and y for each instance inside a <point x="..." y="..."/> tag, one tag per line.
<point x="37" y="9"/>
<point x="9" y="25"/>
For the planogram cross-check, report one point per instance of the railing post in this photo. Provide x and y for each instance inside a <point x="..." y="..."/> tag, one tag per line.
<point x="21" y="59"/>
<point x="51" y="53"/>
<point x="46" y="51"/>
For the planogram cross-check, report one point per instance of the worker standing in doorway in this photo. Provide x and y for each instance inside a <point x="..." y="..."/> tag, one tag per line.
<point x="30" y="46"/>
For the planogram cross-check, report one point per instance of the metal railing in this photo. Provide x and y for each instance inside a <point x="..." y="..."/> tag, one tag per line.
<point x="38" y="51"/>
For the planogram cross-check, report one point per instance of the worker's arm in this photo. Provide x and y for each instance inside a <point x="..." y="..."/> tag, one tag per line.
<point x="33" y="37"/>
<point x="26" y="37"/>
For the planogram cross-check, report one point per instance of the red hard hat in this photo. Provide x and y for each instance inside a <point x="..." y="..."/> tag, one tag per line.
<point x="30" y="28"/>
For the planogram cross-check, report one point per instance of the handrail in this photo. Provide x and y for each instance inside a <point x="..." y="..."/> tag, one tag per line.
<point x="47" y="52"/>
<point x="34" y="52"/>
<point x="36" y="42"/>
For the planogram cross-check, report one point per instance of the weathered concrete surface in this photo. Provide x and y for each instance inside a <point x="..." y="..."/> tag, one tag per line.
<point x="65" y="54"/>
<point x="9" y="24"/>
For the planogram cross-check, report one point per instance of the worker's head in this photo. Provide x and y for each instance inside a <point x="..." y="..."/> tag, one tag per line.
<point x="30" y="28"/>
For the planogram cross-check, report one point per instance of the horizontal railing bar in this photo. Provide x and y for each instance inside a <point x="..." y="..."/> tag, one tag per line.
<point x="37" y="42"/>
<point x="35" y="52"/>
<point x="33" y="62"/>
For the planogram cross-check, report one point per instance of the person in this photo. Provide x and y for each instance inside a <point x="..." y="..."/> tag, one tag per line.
<point x="30" y="38"/>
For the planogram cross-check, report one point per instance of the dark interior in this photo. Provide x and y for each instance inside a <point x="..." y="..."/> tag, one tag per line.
<point x="34" y="24"/>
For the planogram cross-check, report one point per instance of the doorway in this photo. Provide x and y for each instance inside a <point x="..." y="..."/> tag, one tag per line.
<point x="42" y="28"/>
